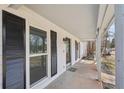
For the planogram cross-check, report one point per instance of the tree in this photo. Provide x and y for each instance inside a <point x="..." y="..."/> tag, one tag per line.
<point x="113" y="43"/>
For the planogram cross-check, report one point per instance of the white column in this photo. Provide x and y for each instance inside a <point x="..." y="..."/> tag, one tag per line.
<point x="119" y="45"/>
<point x="98" y="55"/>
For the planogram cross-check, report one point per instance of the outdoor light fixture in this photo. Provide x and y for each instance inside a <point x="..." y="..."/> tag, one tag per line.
<point x="64" y="39"/>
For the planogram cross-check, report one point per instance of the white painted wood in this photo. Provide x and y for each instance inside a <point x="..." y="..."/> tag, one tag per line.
<point x="35" y="20"/>
<point x="80" y="20"/>
<point x="39" y="54"/>
<point x="83" y="49"/>
<point x="101" y="13"/>
<point x="98" y="55"/>
<point x="105" y="17"/>
<point x="2" y="6"/>
<point x="119" y="43"/>
<point x="15" y="6"/>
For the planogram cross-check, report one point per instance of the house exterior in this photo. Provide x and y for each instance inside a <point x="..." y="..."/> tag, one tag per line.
<point x="52" y="38"/>
<point x="38" y="53"/>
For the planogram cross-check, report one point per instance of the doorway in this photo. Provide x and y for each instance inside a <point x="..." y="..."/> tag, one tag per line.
<point x="13" y="51"/>
<point x="68" y="52"/>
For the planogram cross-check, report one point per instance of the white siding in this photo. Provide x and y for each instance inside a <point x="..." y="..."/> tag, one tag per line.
<point x="83" y="49"/>
<point x="33" y="19"/>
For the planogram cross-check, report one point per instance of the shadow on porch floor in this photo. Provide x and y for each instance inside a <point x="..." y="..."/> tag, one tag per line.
<point x="83" y="78"/>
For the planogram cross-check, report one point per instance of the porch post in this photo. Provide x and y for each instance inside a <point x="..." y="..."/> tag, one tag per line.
<point x="98" y="54"/>
<point x="119" y="45"/>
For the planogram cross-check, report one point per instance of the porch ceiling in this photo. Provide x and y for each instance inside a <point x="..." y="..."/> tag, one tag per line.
<point x="78" y="19"/>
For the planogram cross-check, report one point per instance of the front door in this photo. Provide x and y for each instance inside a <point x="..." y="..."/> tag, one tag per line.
<point x="13" y="51"/>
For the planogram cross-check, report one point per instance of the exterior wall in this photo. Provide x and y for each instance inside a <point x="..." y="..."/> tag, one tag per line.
<point x="83" y="49"/>
<point x="73" y="51"/>
<point x="35" y="20"/>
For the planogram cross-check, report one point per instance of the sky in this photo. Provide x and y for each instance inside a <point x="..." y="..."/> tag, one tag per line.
<point x="111" y="31"/>
<point x="112" y="28"/>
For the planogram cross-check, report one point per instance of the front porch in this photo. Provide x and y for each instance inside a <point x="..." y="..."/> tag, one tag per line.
<point x="83" y="78"/>
<point x="46" y="57"/>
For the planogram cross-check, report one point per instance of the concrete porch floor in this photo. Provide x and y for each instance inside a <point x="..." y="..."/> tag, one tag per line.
<point x="83" y="78"/>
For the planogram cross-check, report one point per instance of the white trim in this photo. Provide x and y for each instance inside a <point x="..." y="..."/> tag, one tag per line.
<point x="39" y="54"/>
<point x="98" y="55"/>
<point x="46" y="82"/>
<point x="40" y="80"/>
<point x="35" y="20"/>
<point x="101" y="13"/>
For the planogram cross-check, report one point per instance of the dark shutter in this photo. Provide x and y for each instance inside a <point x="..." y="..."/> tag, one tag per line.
<point x="76" y="50"/>
<point x="13" y="51"/>
<point x="53" y="53"/>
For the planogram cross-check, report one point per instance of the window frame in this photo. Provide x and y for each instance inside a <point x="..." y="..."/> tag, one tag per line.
<point x="38" y="55"/>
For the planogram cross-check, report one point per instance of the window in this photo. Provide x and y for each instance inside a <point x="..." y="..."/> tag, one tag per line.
<point x="37" y="41"/>
<point x="38" y="55"/>
<point x="37" y="68"/>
